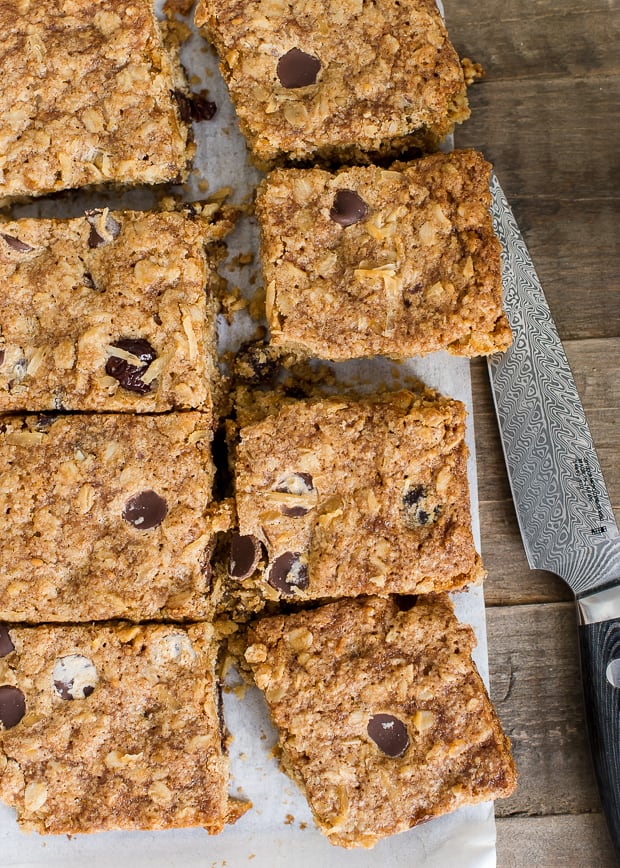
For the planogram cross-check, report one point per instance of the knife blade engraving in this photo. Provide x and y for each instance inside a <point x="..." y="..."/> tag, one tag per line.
<point x="565" y="515"/>
<point x="564" y="512"/>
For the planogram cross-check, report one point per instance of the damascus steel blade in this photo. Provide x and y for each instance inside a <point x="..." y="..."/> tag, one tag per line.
<point x="565" y="516"/>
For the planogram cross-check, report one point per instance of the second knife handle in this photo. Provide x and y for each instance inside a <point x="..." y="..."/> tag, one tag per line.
<point x="599" y="646"/>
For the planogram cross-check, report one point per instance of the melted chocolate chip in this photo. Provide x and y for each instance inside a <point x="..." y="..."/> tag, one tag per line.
<point x="130" y="376"/>
<point x="420" y="507"/>
<point x="6" y="643"/>
<point x="145" y="510"/>
<point x="297" y="69"/>
<point x="12" y="706"/>
<point x="2" y="354"/>
<point x="16" y="244"/>
<point x="74" y="677"/>
<point x="195" y="106"/>
<point x="112" y="228"/>
<point x="245" y="554"/>
<point x="299" y="484"/>
<point x="348" y="208"/>
<point x="288" y="572"/>
<point x="389" y="734"/>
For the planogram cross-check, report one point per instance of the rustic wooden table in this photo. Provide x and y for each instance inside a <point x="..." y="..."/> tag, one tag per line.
<point x="546" y="115"/>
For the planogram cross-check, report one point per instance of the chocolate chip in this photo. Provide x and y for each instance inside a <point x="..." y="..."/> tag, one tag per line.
<point x="145" y="510"/>
<point x="184" y="105"/>
<point x="288" y="572"/>
<point x="420" y="507"/>
<point x="203" y="109"/>
<point x="245" y="552"/>
<point x="87" y="280"/>
<point x="299" y="484"/>
<point x="6" y="644"/>
<point x="130" y="376"/>
<point x="389" y="734"/>
<point x="74" y="677"/>
<point x="406" y="602"/>
<point x="2" y="354"/>
<point x="297" y="69"/>
<point x="195" y="106"/>
<point x="348" y="208"/>
<point x="12" y="706"/>
<point x="111" y="228"/>
<point x="16" y="244"/>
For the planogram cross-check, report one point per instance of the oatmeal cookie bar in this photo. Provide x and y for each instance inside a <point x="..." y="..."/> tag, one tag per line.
<point x="371" y="261"/>
<point x="382" y="717"/>
<point x="353" y="497"/>
<point x="337" y="81"/>
<point x="87" y="97"/>
<point x="107" y="516"/>
<point x="110" y="311"/>
<point x="112" y="727"/>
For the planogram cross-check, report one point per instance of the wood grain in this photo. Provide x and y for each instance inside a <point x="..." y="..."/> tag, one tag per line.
<point x="547" y="116"/>
<point x="513" y="39"/>
<point x="596" y="366"/>
<point x="573" y="841"/>
<point x="575" y="248"/>
<point x="536" y="686"/>
<point x="548" y="138"/>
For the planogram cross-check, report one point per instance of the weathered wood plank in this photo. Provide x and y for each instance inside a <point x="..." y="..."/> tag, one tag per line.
<point x="535" y="684"/>
<point x="575" y="248"/>
<point x="554" y="138"/>
<point x="596" y="366"/>
<point x="514" y="40"/>
<point x="510" y="580"/>
<point x="573" y="841"/>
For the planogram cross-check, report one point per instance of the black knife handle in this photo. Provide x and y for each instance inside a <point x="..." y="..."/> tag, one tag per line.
<point x="599" y="645"/>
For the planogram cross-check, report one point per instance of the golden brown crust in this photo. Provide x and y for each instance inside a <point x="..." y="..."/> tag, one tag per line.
<point x="419" y="272"/>
<point x="124" y="733"/>
<point x="87" y="97"/>
<point x="73" y="548"/>
<point x="327" y="672"/>
<point x="72" y="289"/>
<point x="394" y="82"/>
<point x="361" y="496"/>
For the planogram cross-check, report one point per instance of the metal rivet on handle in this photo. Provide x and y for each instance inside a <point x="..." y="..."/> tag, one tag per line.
<point x="613" y="672"/>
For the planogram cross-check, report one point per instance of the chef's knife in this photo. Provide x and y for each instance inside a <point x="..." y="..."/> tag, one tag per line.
<point x="563" y="508"/>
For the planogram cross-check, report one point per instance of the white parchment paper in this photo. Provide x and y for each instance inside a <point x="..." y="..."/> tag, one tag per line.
<point x="278" y="830"/>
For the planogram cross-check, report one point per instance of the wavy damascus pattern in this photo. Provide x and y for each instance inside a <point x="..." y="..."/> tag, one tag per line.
<point x="566" y="519"/>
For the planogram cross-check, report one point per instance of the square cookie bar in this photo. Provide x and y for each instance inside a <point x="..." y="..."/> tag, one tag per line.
<point x="397" y="262"/>
<point x="87" y="97"/>
<point x="110" y="311"/>
<point x="107" y="516"/>
<point x="338" y="81"/>
<point x="383" y="720"/>
<point x="353" y="497"/>
<point x="112" y="727"/>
